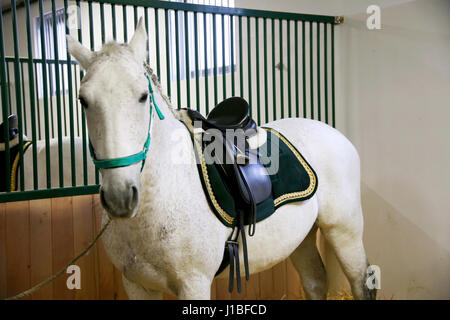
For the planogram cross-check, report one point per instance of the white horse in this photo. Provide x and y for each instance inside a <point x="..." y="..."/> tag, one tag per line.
<point x="163" y="235"/>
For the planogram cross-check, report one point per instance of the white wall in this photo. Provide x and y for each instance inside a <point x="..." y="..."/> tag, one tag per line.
<point x="393" y="102"/>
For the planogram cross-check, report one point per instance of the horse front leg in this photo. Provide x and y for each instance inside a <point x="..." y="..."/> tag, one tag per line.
<point x="195" y="288"/>
<point x="138" y="292"/>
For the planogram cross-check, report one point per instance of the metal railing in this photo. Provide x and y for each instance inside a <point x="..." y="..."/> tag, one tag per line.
<point x="281" y="63"/>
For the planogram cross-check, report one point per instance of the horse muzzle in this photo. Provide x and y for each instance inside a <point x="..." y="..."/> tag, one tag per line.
<point x="120" y="201"/>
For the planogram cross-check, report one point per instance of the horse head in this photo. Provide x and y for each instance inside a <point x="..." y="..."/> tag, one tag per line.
<point x="115" y="96"/>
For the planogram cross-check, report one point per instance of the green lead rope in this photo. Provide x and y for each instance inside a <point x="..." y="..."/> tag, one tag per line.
<point x="129" y="160"/>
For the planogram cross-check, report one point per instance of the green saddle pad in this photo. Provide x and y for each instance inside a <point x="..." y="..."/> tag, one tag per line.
<point x="293" y="179"/>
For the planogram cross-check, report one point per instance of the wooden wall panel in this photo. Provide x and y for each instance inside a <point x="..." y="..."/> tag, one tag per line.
<point x="39" y="237"/>
<point x="104" y="267"/>
<point x="63" y="244"/>
<point x="83" y="231"/>
<point x="17" y="247"/>
<point x="3" y="275"/>
<point x="41" y="255"/>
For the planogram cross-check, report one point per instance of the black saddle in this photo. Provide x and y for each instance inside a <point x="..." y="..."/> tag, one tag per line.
<point x="232" y="113"/>
<point x="242" y="172"/>
<point x="13" y="127"/>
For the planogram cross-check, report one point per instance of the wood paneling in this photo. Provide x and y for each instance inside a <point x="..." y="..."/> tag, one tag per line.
<point x="39" y="237"/>
<point x="84" y="228"/>
<point x="17" y="247"/>
<point x="63" y="244"/>
<point x="41" y="253"/>
<point x="3" y="274"/>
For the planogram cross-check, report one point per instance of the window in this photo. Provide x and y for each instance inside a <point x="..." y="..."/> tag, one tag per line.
<point x="223" y="62"/>
<point x="50" y="48"/>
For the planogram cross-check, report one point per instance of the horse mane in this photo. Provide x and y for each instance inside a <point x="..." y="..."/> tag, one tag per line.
<point x="158" y="84"/>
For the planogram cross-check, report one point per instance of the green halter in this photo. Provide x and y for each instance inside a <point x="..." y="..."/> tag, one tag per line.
<point x="129" y="160"/>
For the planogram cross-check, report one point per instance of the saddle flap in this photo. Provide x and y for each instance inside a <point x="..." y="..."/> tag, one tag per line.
<point x="257" y="178"/>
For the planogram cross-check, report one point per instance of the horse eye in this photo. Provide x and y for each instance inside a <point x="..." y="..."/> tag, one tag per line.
<point x="143" y="98"/>
<point x="83" y="102"/>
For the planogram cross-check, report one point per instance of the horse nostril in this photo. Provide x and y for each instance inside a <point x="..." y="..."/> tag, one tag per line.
<point x="134" y="197"/>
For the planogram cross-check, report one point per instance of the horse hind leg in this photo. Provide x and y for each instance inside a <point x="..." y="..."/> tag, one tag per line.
<point x="346" y="241"/>
<point x="308" y="263"/>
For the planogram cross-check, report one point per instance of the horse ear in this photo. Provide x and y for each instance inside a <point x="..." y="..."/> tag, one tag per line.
<point x="82" y="54"/>
<point x="138" y="43"/>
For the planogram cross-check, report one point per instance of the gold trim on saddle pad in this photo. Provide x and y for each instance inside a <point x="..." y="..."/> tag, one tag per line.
<point x="222" y="212"/>
<point x="312" y="177"/>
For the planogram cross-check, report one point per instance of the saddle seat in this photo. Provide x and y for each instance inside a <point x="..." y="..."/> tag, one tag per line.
<point x="232" y="113"/>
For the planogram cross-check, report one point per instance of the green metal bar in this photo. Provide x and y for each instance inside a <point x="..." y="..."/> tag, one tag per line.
<point x="289" y="67"/>
<point x="58" y="97"/>
<point x="50" y="84"/>
<point x="319" y="115"/>
<point x="297" y="102"/>
<point x="186" y="57"/>
<point x="71" y="119"/>
<point x="23" y="99"/>
<point x="274" y="86"/>
<point x="304" y="69"/>
<point x="158" y="53"/>
<point x="77" y="101"/>
<point x="258" y="98"/>
<point x="325" y="67"/>
<point x="249" y="58"/>
<point x="266" y="89"/>
<point x="197" y="85"/>
<point x="333" y="105"/>
<point x="233" y="89"/>
<point x="32" y="94"/>
<point x="38" y="105"/>
<point x="9" y="89"/>
<point x="3" y="85"/>
<point x="177" y="49"/>
<point x="125" y="23"/>
<point x="64" y="100"/>
<point x="83" y="120"/>
<point x="241" y="64"/>
<point x="92" y="42"/>
<point x="215" y="58"/>
<point x="44" y="80"/>
<point x="102" y="21"/>
<point x="311" y="68"/>
<point x="281" y="68"/>
<point x="222" y="10"/>
<point x="168" y="55"/>
<point x="224" y="71"/>
<point x="114" y="23"/>
<point x="48" y="61"/>
<point x="48" y="193"/>
<point x="205" y="39"/>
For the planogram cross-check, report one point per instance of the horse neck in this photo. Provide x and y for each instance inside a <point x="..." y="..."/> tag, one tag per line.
<point x="159" y="159"/>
